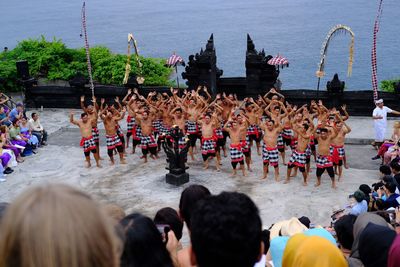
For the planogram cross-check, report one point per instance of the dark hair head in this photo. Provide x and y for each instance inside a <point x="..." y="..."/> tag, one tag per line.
<point x="391" y="187"/>
<point x="170" y="216"/>
<point x="83" y="114"/>
<point x="189" y="198"/>
<point x="14" y="122"/>
<point x="385" y="170"/>
<point x="305" y="221"/>
<point x="323" y="130"/>
<point x="395" y="166"/>
<point x="178" y="109"/>
<point x="265" y="237"/>
<point x="365" y="189"/>
<point x="226" y="231"/>
<point x="344" y="230"/>
<point x="143" y="245"/>
<point x="305" y="125"/>
<point x="33" y="114"/>
<point x="387" y="179"/>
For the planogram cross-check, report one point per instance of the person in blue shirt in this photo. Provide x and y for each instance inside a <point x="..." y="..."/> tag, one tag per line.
<point x="361" y="205"/>
<point x="17" y="112"/>
<point x="392" y="199"/>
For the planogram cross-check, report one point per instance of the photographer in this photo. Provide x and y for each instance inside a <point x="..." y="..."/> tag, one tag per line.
<point x="392" y="199"/>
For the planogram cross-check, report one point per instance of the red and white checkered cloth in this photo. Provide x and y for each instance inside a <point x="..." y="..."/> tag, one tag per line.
<point x="278" y="61"/>
<point x="173" y="60"/>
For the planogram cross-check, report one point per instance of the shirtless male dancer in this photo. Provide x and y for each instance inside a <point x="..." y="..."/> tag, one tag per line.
<point x="244" y="139"/>
<point x="92" y="112"/>
<point x="253" y="113"/>
<point x="337" y="147"/>
<point x="298" y="160"/>
<point x="113" y="140"/>
<point x="270" y="152"/>
<point x="324" y="160"/>
<point x="87" y="142"/>
<point x="208" y="124"/>
<point x="148" y="143"/>
<point x="180" y="121"/>
<point x="235" y="148"/>
<point x="193" y="111"/>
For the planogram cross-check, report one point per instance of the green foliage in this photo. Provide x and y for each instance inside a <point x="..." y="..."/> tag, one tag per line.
<point x="54" y="61"/>
<point x="389" y="85"/>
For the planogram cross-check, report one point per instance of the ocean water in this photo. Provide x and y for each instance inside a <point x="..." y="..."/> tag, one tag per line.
<point x="293" y="28"/>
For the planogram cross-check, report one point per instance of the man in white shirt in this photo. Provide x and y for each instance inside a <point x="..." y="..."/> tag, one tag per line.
<point x="380" y="120"/>
<point x="37" y="129"/>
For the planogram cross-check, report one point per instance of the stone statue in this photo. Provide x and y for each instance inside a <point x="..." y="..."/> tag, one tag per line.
<point x="202" y="68"/>
<point x="335" y="86"/>
<point x="260" y="76"/>
<point x="176" y="159"/>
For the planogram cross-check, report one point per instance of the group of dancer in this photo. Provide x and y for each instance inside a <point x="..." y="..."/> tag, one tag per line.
<point x="269" y="123"/>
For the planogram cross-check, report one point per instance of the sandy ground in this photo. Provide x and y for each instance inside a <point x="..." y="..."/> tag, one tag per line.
<point x="142" y="188"/>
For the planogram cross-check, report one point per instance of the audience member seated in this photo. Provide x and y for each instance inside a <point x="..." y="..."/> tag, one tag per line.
<point x="312" y="251"/>
<point x="16" y="138"/>
<point x="189" y="197"/>
<point x="144" y="245"/>
<point x="389" y="143"/>
<point x="37" y="129"/>
<point x="56" y="225"/>
<point x="360" y="205"/>
<point x="8" y="145"/>
<point x="360" y="224"/>
<point x="226" y="231"/>
<point x="169" y="216"/>
<point x="389" y="190"/>
<point x="4" y="118"/>
<point x="344" y="233"/>
<point x="367" y="192"/>
<point x="395" y="166"/>
<point x="374" y="244"/>
<point x="384" y="170"/>
<point x="17" y="112"/>
<point x="27" y="133"/>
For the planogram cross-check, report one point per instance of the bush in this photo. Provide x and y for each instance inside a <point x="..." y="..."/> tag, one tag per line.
<point x="389" y="85"/>
<point x="54" y="61"/>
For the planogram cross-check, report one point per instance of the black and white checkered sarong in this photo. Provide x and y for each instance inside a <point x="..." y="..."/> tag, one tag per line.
<point x="270" y="155"/>
<point x="147" y="142"/>
<point x="324" y="161"/>
<point x="191" y="127"/>
<point x="208" y="146"/>
<point x="113" y="141"/>
<point x="298" y="159"/>
<point x="236" y="153"/>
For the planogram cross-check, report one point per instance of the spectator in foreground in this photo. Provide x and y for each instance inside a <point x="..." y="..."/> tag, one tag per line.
<point x="360" y="224"/>
<point x="189" y="198"/>
<point x="226" y="231"/>
<point x="360" y="206"/>
<point x="56" y="225"/>
<point x="375" y="242"/>
<point x="169" y="216"/>
<point x="37" y="129"/>
<point x="144" y="246"/>
<point x="344" y="233"/>
<point x="394" y="253"/>
<point x="312" y="251"/>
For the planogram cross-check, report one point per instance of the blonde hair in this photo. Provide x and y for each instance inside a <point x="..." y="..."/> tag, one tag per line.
<point x="396" y="124"/>
<point x="57" y="226"/>
<point x="114" y="211"/>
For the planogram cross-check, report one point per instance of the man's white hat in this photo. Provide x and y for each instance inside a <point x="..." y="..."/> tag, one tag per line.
<point x="379" y="101"/>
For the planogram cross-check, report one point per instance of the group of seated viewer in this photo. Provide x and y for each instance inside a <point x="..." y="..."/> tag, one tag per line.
<point x="20" y="136"/>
